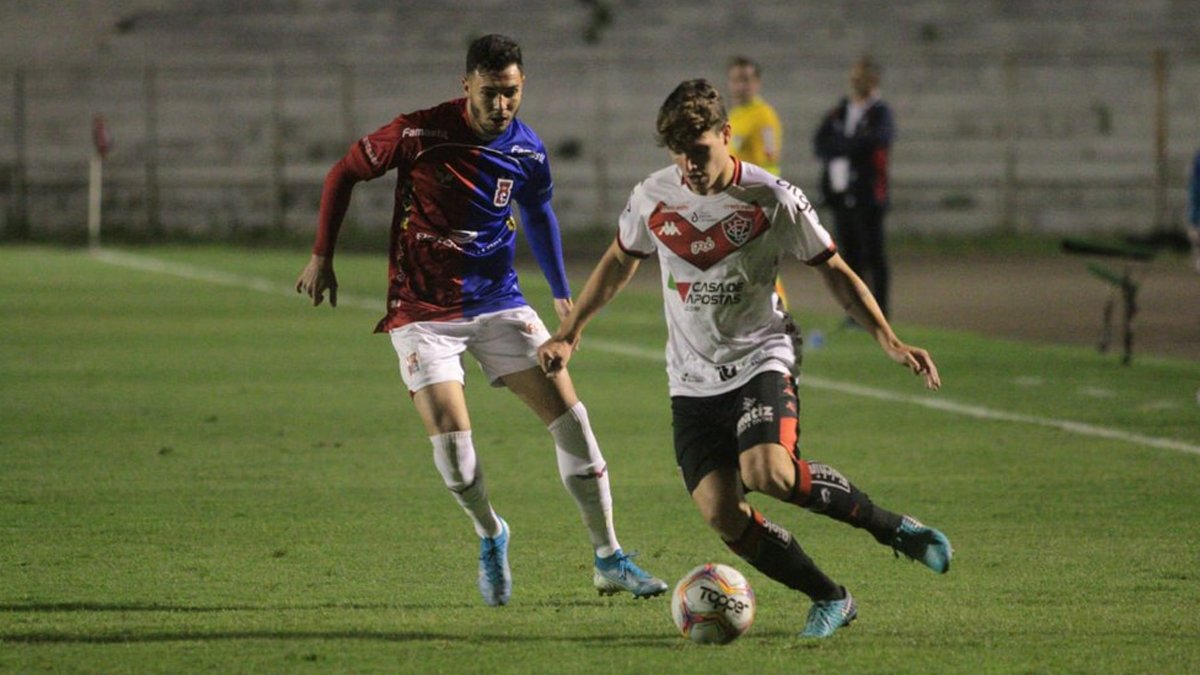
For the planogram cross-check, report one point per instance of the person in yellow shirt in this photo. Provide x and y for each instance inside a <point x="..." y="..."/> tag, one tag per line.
<point x="757" y="134"/>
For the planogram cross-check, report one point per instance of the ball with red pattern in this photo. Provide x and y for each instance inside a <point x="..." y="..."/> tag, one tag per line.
<point x="713" y="604"/>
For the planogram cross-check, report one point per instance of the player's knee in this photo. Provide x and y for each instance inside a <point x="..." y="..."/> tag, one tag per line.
<point x="767" y="469"/>
<point x="727" y="519"/>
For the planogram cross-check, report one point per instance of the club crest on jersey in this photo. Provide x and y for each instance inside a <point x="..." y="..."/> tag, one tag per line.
<point x="504" y="188"/>
<point x="737" y="229"/>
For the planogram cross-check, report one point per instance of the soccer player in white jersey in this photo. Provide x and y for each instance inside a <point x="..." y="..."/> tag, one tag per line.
<point x="720" y="227"/>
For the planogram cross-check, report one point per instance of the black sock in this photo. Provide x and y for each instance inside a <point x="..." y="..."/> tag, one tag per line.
<point x="773" y="551"/>
<point x="822" y="489"/>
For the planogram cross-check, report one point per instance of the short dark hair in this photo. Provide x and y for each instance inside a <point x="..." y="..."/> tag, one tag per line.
<point x="493" y="53"/>
<point x="743" y="62"/>
<point x="692" y="109"/>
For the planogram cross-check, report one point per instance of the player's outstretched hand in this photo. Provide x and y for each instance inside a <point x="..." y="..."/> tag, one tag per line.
<point x="919" y="362"/>
<point x="554" y="354"/>
<point x="317" y="278"/>
<point x="562" y="307"/>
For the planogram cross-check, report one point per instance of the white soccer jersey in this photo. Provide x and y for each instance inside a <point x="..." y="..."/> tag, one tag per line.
<point x="719" y="256"/>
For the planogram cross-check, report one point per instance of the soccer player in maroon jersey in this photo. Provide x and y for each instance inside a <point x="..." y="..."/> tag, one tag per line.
<point x="720" y="227"/>
<point x="460" y="167"/>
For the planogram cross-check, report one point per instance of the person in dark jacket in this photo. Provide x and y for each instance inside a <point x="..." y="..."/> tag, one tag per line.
<point x="854" y="143"/>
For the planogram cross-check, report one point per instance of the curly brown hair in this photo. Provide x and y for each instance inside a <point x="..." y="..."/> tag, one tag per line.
<point x="692" y="109"/>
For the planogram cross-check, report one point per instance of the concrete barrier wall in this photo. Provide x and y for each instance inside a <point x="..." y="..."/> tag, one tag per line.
<point x="1013" y="115"/>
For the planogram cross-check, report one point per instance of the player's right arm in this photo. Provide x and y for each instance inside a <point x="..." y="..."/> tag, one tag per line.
<point x="615" y="269"/>
<point x="370" y="157"/>
<point x="318" y="275"/>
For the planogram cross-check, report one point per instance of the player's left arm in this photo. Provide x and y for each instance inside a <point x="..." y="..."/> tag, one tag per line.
<point x="854" y="296"/>
<point x="545" y="240"/>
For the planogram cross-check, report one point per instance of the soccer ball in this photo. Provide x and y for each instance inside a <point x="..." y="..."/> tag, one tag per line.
<point x="713" y="604"/>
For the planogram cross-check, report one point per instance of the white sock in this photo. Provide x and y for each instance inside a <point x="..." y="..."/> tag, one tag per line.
<point x="585" y="476"/>
<point x="454" y="456"/>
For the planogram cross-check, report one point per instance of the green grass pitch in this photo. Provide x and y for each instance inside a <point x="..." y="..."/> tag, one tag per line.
<point x="200" y="473"/>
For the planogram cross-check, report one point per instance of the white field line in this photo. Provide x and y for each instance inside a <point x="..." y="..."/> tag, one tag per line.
<point x="939" y="403"/>
<point x="219" y="278"/>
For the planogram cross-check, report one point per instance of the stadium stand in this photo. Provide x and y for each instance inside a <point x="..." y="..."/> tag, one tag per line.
<point x="1013" y="115"/>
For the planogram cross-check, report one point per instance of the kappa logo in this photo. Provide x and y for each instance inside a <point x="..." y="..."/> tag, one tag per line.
<point x="504" y="188"/>
<point x="414" y="363"/>
<point x="669" y="230"/>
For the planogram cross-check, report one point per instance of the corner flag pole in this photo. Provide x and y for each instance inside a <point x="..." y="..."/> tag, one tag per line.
<point x="100" y="145"/>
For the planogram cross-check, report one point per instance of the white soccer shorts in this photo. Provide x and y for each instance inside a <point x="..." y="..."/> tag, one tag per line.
<point x="503" y="343"/>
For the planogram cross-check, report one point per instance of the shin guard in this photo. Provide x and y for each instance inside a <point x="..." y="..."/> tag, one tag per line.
<point x="773" y="551"/>
<point x="822" y="489"/>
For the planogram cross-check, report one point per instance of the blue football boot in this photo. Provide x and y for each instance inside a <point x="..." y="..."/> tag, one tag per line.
<point x="826" y="616"/>
<point x="617" y="573"/>
<point x="921" y="542"/>
<point x="495" y="578"/>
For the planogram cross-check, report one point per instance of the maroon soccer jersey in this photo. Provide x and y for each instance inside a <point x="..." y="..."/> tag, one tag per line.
<point x="453" y="232"/>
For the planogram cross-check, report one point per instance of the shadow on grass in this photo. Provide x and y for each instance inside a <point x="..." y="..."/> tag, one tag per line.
<point x="607" y="640"/>
<point x="68" y="607"/>
<point x="83" y="606"/>
<point x="668" y="638"/>
<point x="136" y="637"/>
<point x="601" y="640"/>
